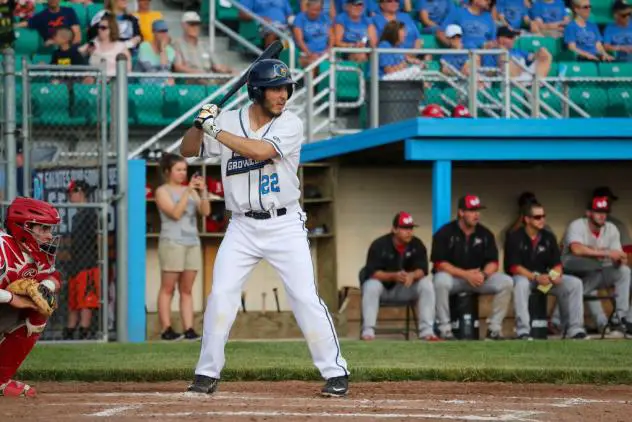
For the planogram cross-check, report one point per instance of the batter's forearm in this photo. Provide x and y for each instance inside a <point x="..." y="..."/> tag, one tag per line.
<point x="250" y="148"/>
<point x="191" y="142"/>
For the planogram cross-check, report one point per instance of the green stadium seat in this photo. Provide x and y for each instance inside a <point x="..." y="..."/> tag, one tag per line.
<point x="429" y="41"/>
<point x="27" y="41"/>
<point x="601" y="12"/>
<point x="92" y="10"/>
<point x="180" y="98"/>
<point x="81" y="12"/>
<point x="614" y="70"/>
<point x="533" y="44"/>
<point x="576" y="69"/>
<point x="592" y="100"/>
<point x="41" y="59"/>
<point x="86" y="103"/>
<point x="347" y="83"/>
<point x="50" y="104"/>
<point x="620" y="102"/>
<point x="222" y="13"/>
<point x="285" y="57"/>
<point x="250" y="31"/>
<point x="146" y="104"/>
<point x="548" y="98"/>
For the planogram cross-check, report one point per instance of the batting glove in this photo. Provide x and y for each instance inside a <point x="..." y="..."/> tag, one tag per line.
<point x="205" y="119"/>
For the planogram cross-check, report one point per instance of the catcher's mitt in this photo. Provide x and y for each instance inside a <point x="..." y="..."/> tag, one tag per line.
<point x="39" y="294"/>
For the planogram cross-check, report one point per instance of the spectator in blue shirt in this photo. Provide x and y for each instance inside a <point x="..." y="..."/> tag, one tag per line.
<point x="511" y="13"/>
<point x="329" y="7"/>
<point x="477" y="23"/>
<point x="617" y="37"/>
<point x="389" y="11"/>
<point x="397" y="66"/>
<point x="548" y="18"/>
<point x="432" y="13"/>
<point x="523" y="65"/>
<point x="583" y="37"/>
<point x="354" y="29"/>
<point x="54" y="16"/>
<point x="277" y="13"/>
<point x="451" y="63"/>
<point x="313" y="32"/>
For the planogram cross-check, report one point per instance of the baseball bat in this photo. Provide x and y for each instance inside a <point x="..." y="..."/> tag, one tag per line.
<point x="276" y="298"/>
<point x="272" y="52"/>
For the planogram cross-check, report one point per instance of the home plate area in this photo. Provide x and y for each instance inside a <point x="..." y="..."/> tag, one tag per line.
<point x="296" y="401"/>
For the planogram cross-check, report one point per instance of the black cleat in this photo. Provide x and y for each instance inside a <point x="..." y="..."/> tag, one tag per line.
<point x="336" y="387"/>
<point x="191" y="335"/>
<point x="203" y="384"/>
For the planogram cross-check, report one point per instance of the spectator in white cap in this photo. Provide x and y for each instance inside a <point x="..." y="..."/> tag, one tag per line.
<point x="452" y="63"/>
<point x="146" y="17"/>
<point x="193" y="55"/>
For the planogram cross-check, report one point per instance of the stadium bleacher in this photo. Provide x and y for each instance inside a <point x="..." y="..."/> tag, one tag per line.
<point x="155" y="106"/>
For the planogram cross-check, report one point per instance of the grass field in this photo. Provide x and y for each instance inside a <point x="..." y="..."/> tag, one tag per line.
<point x="603" y="362"/>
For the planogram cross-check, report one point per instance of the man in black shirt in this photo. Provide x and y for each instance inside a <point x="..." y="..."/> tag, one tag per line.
<point x="465" y="258"/>
<point x="397" y="270"/>
<point x="532" y="256"/>
<point x="84" y="281"/>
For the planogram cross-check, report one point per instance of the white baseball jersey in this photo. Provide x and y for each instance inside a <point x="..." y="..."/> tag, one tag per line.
<point x="259" y="185"/>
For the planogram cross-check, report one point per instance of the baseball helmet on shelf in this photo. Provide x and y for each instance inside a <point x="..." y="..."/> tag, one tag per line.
<point x="268" y="73"/>
<point x="432" y="110"/>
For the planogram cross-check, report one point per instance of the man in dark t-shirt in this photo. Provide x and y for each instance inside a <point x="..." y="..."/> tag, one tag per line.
<point x="51" y="18"/>
<point x="84" y="281"/>
<point x="397" y="270"/>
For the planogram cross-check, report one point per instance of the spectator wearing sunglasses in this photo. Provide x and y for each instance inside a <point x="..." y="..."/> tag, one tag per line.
<point x="533" y="258"/>
<point x="617" y="37"/>
<point x="548" y="18"/>
<point x="158" y="55"/>
<point x="583" y="37"/>
<point x="106" y="46"/>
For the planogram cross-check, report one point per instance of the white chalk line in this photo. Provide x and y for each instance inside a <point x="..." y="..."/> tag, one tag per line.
<point x="120" y="410"/>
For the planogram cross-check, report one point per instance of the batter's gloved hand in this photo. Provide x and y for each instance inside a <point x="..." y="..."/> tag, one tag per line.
<point x="43" y="298"/>
<point x="205" y="119"/>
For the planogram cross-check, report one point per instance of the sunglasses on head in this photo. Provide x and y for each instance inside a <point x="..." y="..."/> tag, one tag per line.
<point x="538" y="216"/>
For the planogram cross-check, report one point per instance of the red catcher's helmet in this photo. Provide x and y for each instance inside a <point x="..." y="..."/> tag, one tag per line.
<point x="432" y="110"/>
<point x="461" y="111"/>
<point x="22" y="215"/>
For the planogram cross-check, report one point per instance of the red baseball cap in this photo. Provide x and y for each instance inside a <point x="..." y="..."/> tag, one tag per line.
<point x="461" y="111"/>
<point x="432" y="110"/>
<point x="600" y="204"/>
<point x="470" y="203"/>
<point x="404" y="220"/>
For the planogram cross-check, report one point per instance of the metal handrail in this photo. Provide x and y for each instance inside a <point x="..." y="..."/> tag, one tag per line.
<point x="288" y="39"/>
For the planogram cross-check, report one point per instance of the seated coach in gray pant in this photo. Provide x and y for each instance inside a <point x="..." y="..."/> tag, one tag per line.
<point x="397" y="270"/>
<point x="465" y="259"/>
<point x="532" y="256"/>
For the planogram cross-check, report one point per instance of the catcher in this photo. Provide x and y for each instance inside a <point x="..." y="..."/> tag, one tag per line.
<point x="28" y="281"/>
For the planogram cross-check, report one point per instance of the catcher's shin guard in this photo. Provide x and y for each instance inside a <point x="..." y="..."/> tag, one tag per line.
<point x="16" y="345"/>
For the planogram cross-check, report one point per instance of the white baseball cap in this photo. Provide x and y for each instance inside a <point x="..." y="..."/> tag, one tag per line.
<point x="191" y="17"/>
<point x="453" y="30"/>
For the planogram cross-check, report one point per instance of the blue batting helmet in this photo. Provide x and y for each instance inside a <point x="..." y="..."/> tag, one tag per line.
<point x="268" y="73"/>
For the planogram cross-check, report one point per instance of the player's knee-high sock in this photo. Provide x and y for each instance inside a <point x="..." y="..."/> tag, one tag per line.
<point x="17" y="344"/>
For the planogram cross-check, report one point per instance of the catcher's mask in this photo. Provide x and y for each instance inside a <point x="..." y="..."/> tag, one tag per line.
<point x="34" y="224"/>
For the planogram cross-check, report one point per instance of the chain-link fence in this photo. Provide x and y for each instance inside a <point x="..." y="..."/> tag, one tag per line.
<point x="87" y="297"/>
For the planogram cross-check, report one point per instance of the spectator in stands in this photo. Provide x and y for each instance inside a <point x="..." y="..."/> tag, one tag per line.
<point x="128" y="26"/>
<point x="582" y="36"/>
<point x="465" y="258"/>
<point x="452" y="63"/>
<point x="354" y="29"/>
<point x="329" y="8"/>
<point x="548" y="18"/>
<point x="593" y="252"/>
<point x="277" y="13"/>
<point x="397" y="66"/>
<point x="193" y="55"/>
<point x="146" y="17"/>
<point x="433" y="13"/>
<point x="511" y="13"/>
<point x="84" y="274"/>
<point x="179" y="250"/>
<point x="66" y="54"/>
<point x="617" y="37"/>
<point x="313" y="32"/>
<point x="477" y="23"/>
<point x="532" y="257"/>
<point x="158" y="55"/>
<point x="24" y="9"/>
<point x="389" y="12"/>
<point x="397" y="270"/>
<point x="48" y="20"/>
<point x="522" y="65"/>
<point x="7" y="33"/>
<point x="106" y="46"/>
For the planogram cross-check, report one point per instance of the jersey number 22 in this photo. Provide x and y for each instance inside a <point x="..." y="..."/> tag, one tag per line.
<point x="269" y="184"/>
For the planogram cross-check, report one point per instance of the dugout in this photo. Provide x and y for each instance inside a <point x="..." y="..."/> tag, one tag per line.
<point x="421" y="166"/>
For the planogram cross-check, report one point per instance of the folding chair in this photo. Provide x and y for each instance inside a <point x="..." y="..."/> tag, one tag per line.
<point x="612" y="297"/>
<point x="410" y="313"/>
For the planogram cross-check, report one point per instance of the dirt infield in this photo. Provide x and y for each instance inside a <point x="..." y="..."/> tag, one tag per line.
<point x="297" y="401"/>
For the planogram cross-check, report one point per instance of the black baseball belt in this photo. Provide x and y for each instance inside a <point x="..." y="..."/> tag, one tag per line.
<point x="264" y="215"/>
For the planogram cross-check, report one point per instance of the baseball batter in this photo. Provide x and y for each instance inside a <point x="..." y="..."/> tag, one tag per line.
<point x="260" y="148"/>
